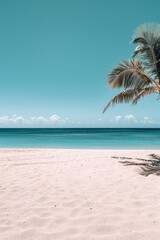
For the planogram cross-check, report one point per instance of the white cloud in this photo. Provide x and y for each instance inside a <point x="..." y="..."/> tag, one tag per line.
<point x="99" y="119"/>
<point x="57" y="121"/>
<point x="117" y="118"/>
<point x="55" y="118"/>
<point x="20" y="118"/>
<point x="3" y="119"/>
<point x="66" y="120"/>
<point x="32" y="121"/>
<point x="130" y="118"/>
<point x="33" y="118"/>
<point x="13" y="119"/>
<point x="37" y="120"/>
<point x="147" y="120"/>
<point x="41" y="119"/>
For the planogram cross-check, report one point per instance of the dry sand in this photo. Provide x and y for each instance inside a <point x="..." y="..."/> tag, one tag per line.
<point x="53" y="194"/>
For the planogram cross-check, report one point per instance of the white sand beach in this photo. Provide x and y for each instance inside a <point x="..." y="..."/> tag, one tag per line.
<point x="58" y="194"/>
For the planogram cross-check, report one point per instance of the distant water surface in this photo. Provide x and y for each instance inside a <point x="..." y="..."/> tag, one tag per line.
<point x="100" y="138"/>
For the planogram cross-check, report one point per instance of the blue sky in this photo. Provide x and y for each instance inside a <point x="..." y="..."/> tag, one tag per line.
<point x="55" y="56"/>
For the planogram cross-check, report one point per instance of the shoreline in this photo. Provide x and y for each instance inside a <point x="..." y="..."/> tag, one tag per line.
<point x="78" y="194"/>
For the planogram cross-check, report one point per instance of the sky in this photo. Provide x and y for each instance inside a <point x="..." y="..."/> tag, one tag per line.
<point x="55" y="56"/>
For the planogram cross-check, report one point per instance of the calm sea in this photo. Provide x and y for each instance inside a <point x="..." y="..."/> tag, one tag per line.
<point x="105" y="138"/>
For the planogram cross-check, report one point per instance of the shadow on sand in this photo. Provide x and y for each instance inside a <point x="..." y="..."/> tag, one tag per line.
<point x="147" y="166"/>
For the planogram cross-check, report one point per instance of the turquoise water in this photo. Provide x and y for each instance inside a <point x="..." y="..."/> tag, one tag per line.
<point x="106" y="138"/>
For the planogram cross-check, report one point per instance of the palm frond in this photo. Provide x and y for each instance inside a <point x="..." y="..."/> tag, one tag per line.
<point x="144" y="92"/>
<point x="139" y="40"/>
<point x="123" y="97"/>
<point x="148" y="33"/>
<point x="140" y="49"/>
<point x="148" y="36"/>
<point x="128" y="75"/>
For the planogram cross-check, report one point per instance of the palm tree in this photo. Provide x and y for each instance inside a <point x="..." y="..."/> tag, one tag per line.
<point x="140" y="76"/>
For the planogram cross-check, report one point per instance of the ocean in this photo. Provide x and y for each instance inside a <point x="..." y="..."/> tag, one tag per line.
<point x="99" y="138"/>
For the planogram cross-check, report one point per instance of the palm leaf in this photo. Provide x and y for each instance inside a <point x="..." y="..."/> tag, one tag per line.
<point x="123" y="97"/>
<point x="144" y="92"/>
<point x="128" y="75"/>
<point x="140" y="49"/>
<point x="148" y="36"/>
<point x="139" y="40"/>
<point x="148" y="33"/>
